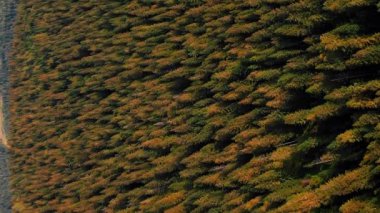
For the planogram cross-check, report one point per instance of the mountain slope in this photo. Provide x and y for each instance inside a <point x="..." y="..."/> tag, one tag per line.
<point x="178" y="106"/>
<point x="7" y="14"/>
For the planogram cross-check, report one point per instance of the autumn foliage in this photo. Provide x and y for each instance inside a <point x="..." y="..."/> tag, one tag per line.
<point x="196" y="106"/>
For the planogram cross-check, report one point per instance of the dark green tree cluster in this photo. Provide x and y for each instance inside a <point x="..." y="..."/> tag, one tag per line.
<point x="196" y="106"/>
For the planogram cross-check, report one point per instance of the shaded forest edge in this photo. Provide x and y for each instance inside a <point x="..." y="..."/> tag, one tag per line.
<point x="178" y="106"/>
<point x="7" y="15"/>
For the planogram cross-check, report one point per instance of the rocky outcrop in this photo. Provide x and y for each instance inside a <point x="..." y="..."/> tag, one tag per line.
<point x="7" y="14"/>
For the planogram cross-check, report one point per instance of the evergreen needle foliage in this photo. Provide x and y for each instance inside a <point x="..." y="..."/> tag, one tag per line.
<point x="196" y="106"/>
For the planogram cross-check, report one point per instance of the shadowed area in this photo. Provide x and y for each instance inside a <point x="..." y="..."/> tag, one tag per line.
<point x="5" y="196"/>
<point x="7" y="14"/>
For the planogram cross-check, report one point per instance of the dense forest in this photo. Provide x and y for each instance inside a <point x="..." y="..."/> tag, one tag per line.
<point x="196" y="106"/>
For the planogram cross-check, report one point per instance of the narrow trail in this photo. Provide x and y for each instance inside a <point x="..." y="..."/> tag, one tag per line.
<point x="7" y="16"/>
<point x="3" y="134"/>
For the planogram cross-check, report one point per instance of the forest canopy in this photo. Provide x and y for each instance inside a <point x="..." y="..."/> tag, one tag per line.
<point x="196" y="106"/>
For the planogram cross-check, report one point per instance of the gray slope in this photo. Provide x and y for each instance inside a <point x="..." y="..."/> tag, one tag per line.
<point x="7" y="15"/>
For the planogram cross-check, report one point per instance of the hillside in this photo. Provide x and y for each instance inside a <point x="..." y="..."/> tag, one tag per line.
<point x="196" y="106"/>
<point x="7" y="15"/>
